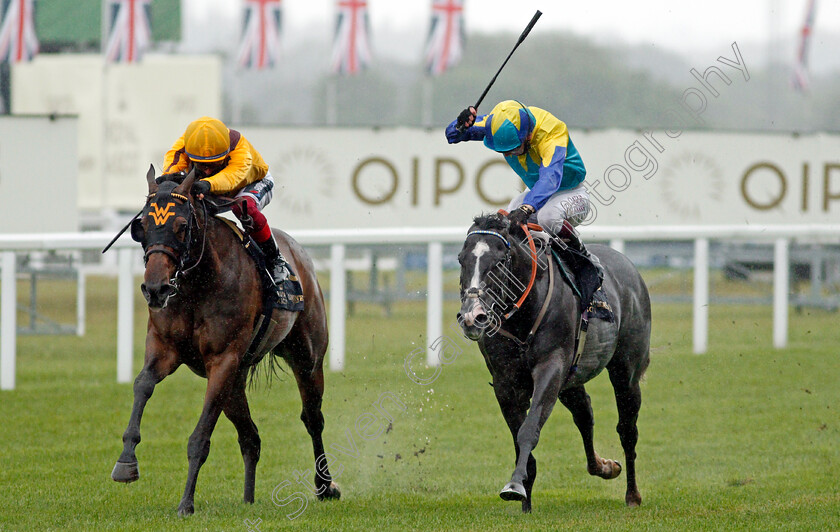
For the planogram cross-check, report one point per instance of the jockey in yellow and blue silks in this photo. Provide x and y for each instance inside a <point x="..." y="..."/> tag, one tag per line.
<point x="551" y="164"/>
<point x="537" y="146"/>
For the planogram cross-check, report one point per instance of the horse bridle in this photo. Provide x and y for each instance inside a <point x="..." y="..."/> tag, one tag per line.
<point x="476" y="293"/>
<point x="181" y="248"/>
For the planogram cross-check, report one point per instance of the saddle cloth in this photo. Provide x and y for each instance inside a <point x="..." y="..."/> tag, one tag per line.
<point x="599" y="307"/>
<point x="291" y="296"/>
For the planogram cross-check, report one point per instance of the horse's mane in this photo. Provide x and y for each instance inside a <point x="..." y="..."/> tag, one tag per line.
<point x="491" y="222"/>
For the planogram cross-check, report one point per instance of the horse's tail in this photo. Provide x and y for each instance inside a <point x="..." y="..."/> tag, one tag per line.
<point x="266" y="370"/>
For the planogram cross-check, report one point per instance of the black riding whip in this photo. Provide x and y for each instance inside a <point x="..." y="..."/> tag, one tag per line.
<point x="525" y="33"/>
<point x="111" y="243"/>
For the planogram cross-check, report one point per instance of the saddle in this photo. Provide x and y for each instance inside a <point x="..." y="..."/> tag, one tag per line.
<point x="582" y="284"/>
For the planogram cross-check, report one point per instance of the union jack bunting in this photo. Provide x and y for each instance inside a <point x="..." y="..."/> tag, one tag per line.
<point x="260" y="44"/>
<point x="18" y="41"/>
<point x="129" y="33"/>
<point x="351" y="47"/>
<point x="800" y="70"/>
<point x="445" y="43"/>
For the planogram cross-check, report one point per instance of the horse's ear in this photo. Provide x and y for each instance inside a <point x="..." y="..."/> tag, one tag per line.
<point x="150" y="178"/>
<point x="187" y="183"/>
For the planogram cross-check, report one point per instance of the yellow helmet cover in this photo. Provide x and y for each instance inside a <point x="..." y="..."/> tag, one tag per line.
<point x="207" y="140"/>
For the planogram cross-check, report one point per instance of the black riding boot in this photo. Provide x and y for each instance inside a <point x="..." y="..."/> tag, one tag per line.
<point x="275" y="262"/>
<point x="587" y="267"/>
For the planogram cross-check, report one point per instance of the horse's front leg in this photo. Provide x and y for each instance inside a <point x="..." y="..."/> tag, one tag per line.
<point x="514" y="396"/>
<point x="160" y="362"/>
<point x="547" y="381"/>
<point x="221" y="377"/>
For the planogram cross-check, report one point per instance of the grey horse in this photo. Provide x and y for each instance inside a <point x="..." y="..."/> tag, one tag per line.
<point x="531" y="352"/>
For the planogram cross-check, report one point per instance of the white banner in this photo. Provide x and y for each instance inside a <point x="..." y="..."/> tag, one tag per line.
<point x="38" y="168"/>
<point x="329" y="178"/>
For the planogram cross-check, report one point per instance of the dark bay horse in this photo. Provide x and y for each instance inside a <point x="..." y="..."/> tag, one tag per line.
<point x="205" y="297"/>
<point x="530" y="354"/>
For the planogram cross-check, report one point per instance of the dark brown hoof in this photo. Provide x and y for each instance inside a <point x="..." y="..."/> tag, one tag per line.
<point x="125" y="472"/>
<point x="513" y="491"/>
<point x="633" y="500"/>
<point x="332" y="492"/>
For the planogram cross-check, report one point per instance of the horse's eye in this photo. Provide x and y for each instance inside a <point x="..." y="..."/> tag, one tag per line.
<point x="180" y="229"/>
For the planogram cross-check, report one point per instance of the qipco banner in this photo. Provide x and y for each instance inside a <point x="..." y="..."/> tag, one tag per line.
<point x="331" y="178"/>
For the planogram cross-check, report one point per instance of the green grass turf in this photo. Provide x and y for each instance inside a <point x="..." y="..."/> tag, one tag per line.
<point x="745" y="437"/>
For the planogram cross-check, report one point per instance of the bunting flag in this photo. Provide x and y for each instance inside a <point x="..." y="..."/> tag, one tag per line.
<point x="800" y="71"/>
<point x="351" y="48"/>
<point x="445" y="43"/>
<point x="129" y="32"/>
<point x="18" y="41"/>
<point x="260" y="45"/>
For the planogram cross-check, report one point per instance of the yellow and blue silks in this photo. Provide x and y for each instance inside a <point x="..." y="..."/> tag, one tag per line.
<point x="552" y="163"/>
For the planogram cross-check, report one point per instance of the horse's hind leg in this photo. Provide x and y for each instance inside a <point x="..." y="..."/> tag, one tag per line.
<point x="628" y="398"/>
<point x="577" y="401"/>
<point x="154" y="370"/>
<point x="237" y="411"/>
<point x="311" y="387"/>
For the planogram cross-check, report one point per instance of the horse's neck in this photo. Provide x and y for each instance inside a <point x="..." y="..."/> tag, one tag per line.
<point x="214" y="246"/>
<point x="521" y="266"/>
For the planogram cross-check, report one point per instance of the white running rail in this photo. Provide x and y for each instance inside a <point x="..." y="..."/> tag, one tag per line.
<point x="338" y="239"/>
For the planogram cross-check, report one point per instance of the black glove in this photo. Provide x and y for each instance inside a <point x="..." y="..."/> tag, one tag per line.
<point x="202" y="186"/>
<point x="467" y="115"/>
<point x="519" y="216"/>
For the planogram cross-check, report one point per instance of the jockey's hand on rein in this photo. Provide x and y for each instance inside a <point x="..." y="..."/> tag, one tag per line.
<point x="520" y="215"/>
<point x="201" y="187"/>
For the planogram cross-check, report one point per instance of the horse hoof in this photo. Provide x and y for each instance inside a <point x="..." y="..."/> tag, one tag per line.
<point x="185" y="510"/>
<point x="332" y="492"/>
<point x="125" y="472"/>
<point x="615" y="470"/>
<point x="513" y="491"/>
<point x="633" y="500"/>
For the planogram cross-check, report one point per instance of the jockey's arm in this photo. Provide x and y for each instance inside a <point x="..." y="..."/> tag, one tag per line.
<point x="236" y="174"/>
<point x="551" y="177"/>
<point x="474" y="132"/>
<point x="176" y="158"/>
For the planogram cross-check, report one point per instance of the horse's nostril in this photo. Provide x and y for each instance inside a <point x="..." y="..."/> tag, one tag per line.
<point x="481" y="319"/>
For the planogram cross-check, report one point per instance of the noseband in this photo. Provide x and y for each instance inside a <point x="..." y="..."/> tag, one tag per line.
<point x="474" y="293"/>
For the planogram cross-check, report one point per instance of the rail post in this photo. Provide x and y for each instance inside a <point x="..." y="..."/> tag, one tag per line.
<point x="8" y="317"/>
<point x="434" y="301"/>
<point x="701" y="295"/>
<point x="338" y="306"/>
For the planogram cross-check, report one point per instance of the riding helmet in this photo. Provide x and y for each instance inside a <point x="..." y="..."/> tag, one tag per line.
<point x="207" y="140"/>
<point x="508" y="125"/>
